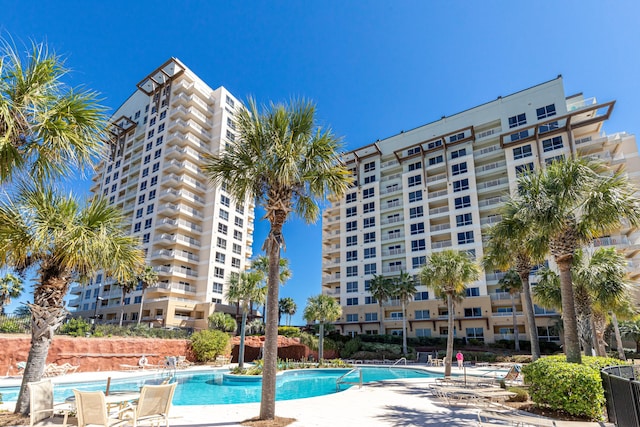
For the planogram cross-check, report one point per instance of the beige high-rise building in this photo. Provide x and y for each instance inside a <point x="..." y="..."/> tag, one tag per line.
<point x="194" y="234"/>
<point x="440" y="186"/>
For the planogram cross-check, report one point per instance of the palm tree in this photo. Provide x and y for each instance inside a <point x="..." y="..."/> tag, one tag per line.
<point x="448" y="273"/>
<point x="512" y="283"/>
<point x="46" y="128"/>
<point x="631" y="330"/>
<point x="513" y="244"/>
<point x="146" y="278"/>
<point x="126" y="287"/>
<point x="22" y="311"/>
<point x="286" y="163"/>
<point x="404" y="290"/>
<point x="222" y="322"/>
<point x="381" y="289"/>
<point x="287" y="306"/>
<point x="53" y="234"/>
<point x="261" y="264"/>
<point x="569" y="203"/>
<point x="10" y="287"/>
<point x="322" y="309"/>
<point x="244" y="288"/>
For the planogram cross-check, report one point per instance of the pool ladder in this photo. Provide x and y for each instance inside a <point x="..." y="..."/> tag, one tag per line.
<point x="341" y="380"/>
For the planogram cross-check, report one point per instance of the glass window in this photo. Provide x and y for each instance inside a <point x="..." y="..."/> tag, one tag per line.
<point x="224" y="200"/>
<point x="415" y="166"/>
<point x="370" y="300"/>
<point x="465" y="237"/>
<point x="422" y="314"/>
<point x="370" y="237"/>
<point x="352" y="197"/>
<point x="522" y="152"/>
<point x="418" y="245"/>
<point x="352" y="301"/>
<point x="416" y="212"/>
<point x="518" y="120"/>
<point x="461" y="185"/>
<point x="551" y="144"/>
<point x="421" y="296"/>
<point x="352" y="317"/>
<point x="352" y="225"/>
<point x="418" y="261"/>
<point x="368" y="207"/>
<point x="369" y="222"/>
<point x="352" y="255"/>
<point x="371" y="317"/>
<point x="237" y="234"/>
<point x="473" y="312"/>
<point x="368" y="193"/>
<point x="353" y="211"/>
<point x="459" y="168"/>
<point x="352" y="287"/>
<point x="525" y="168"/>
<point x="464" y="219"/>
<point x="352" y="240"/>
<point x="370" y="268"/>
<point x="415" y="196"/>
<point x="472" y="292"/>
<point x="224" y="215"/>
<point x="435" y="160"/>
<point x="417" y="228"/>
<point x="371" y="166"/>
<point x="462" y="202"/>
<point x="414" y="180"/>
<point x="547" y="111"/>
<point x="459" y="153"/>
<point x="369" y="253"/>
<point x="223" y="229"/>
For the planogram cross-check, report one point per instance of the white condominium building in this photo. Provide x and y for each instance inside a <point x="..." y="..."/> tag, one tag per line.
<point x="440" y="186"/>
<point x="194" y="234"/>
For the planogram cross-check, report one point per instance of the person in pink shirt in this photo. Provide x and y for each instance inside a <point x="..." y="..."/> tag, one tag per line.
<point x="460" y="359"/>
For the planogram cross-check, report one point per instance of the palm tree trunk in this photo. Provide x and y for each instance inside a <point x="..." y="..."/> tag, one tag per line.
<point x="515" y="324"/>
<point x="404" y="329"/>
<point x="569" y="321"/>
<point x="529" y="313"/>
<point x="121" y="308"/>
<point x="616" y="328"/>
<point x="242" y="337"/>
<point x="599" y="326"/>
<point x="321" y="343"/>
<point x="450" y="326"/>
<point x="141" y="304"/>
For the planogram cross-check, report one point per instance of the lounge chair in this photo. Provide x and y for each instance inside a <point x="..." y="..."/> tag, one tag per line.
<point x="154" y="404"/>
<point x="53" y="370"/>
<point x="92" y="410"/>
<point x="182" y="362"/>
<point x="512" y="377"/>
<point x="42" y="409"/>
<point x="485" y="419"/>
<point x="69" y="368"/>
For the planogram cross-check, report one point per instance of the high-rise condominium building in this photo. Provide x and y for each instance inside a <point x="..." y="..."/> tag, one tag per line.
<point x="440" y="186"/>
<point x="194" y="234"/>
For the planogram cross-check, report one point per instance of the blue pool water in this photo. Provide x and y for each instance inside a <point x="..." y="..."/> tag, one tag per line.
<point x="214" y="388"/>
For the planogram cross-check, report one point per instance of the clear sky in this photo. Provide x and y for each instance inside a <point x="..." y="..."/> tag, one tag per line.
<point x="373" y="68"/>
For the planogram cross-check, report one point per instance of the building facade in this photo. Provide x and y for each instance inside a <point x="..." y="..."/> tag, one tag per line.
<point x="193" y="234"/>
<point x="440" y="186"/>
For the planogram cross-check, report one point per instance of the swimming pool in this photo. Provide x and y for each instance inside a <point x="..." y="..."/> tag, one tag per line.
<point x="214" y="388"/>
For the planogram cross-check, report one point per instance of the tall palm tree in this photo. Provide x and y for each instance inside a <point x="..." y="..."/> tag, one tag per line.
<point x="404" y="290"/>
<point x="126" y="287"/>
<point x="630" y="329"/>
<point x="261" y="264"/>
<point x="322" y="309"/>
<point x="244" y="288"/>
<point x="512" y="283"/>
<point x="448" y="273"/>
<point x="287" y="306"/>
<point x="10" y="287"/>
<point x="569" y="203"/>
<point x="54" y="235"/>
<point x="147" y="278"/>
<point x="222" y="322"/>
<point x="514" y="244"/>
<point x="381" y="288"/>
<point x="46" y="127"/>
<point x="286" y="163"/>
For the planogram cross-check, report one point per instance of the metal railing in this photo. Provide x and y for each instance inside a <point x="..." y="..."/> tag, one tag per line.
<point x="342" y="379"/>
<point x="622" y="392"/>
<point x="400" y="360"/>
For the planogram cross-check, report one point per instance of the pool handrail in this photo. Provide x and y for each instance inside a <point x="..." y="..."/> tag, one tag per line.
<point x="400" y="360"/>
<point x="340" y="379"/>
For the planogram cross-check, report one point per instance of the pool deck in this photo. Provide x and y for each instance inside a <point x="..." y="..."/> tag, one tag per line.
<point x="399" y="403"/>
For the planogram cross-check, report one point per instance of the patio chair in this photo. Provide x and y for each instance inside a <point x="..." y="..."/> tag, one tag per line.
<point x="154" y="404"/>
<point x="53" y="370"/>
<point x="42" y="409"/>
<point x="513" y="375"/>
<point x="92" y="410"/>
<point x="69" y="368"/>
<point x="182" y="362"/>
<point x="486" y="418"/>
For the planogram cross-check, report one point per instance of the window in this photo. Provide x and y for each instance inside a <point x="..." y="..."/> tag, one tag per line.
<point x="370" y="268"/>
<point x="415" y="166"/>
<point x="239" y="222"/>
<point x="414" y="180"/>
<point x="352" y="197"/>
<point x="220" y="257"/>
<point x="370" y="300"/>
<point x="422" y="314"/>
<point x="519" y="120"/>
<point x="352" y="301"/>
<point x="137" y="226"/>
<point x="473" y="312"/>
<point x="150" y="207"/>
<point x="369" y="207"/>
<point x="368" y="167"/>
<point x="519" y="135"/>
<point x="235" y="263"/>
<point x="237" y="235"/>
<point x="112" y="199"/>
<point x="393" y="218"/>
<point x="414" y="150"/>
<point x="230" y="123"/>
<point x="417" y="228"/>
<point x="352" y="287"/>
<point x="369" y="222"/>
<point x="109" y="168"/>
<point x="459" y="168"/>
<point x="462" y="202"/>
<point x="145" y="172"/>
<point x="368" y="193"/>
<point x="522" y="152"/>
<point x="352" y="317"/>
<point x="352" y="211"/>
<point x="139" y="213"/>
<point x="108" y="180"/>
<point x="217" y="288"/>
<point x="149" y="146"/>
<point x="464" y="219"/>
<point x="157" y="153"/>
<point x="151" y="132"/>
<point x="352" y="255"/>
<point x="352" y="225"/>
<point x="459" y="153"/>
<point x="222" y="229"/>
<point x="163" y="114"/>
<point x="418" y="261"/>
<point x="237" y="249"/>
<point x="147" y="159"/>
<point x="154" y="181"/>
<point x="472" y="292"/>
<point x="415" y="196"/>
<point x="420" y="332"/>
<point x="465" y="237"/>
<point x="370" y="237"/>
<point x="352" y="240"/>
<point x="218" y="272"/>
<point x="230" y="102"/>
<point x="224" y="200"/>
<point x="434" y="144"/>
<point x="161" y="128"/>
<point x="371" y="317"/>
<point x="421" y="296"/>
<point x="395" y="315"/>
<point x="143" y="185"/>
<point x="416" y="212"/>
<point x="544" y="112"/>
<point x="141" y="199"/>
<point x="551" y="144"/>
<point x="550" y="160"/>
<point x="146" y="237"/>
<point x="525" y="168"/>
<point x="156" y="167"/>
<point x="435" y="160"/>
<point x="114" y="187"/>
<point x="461" y="185"/>
<point x="224" y="215"/>
<point x="548" y="127"/>
<point x="369" y="253"/>
<point x="475" y="334"/>
<point x="418" y="245"/>
<point x="221" y="243"/>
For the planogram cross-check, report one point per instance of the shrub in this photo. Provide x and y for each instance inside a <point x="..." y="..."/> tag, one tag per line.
<point x="289" y="331"/>
<point x="521" y="394"/>
<point x="76" y="327"/>
<point x="209" y="344"/>
<point x="10" y="327"/>
<point x="309" y="340"/>
<point x="350" y="347"/>
<point x="573" y="388"/>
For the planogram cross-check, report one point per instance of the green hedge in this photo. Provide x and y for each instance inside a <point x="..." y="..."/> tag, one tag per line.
<point x="573" y="388"/>
<point x="209" y="344"/>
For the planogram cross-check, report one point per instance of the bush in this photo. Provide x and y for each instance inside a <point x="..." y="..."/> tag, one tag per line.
<point x="573" y="388"/>
<point x="522" y="395"/>
<point x="209" y="344"/>
<point x="289" y="331"/>
<point x="77" y="327"/>
<point x="10" y="327"/>
<point x="309" y="340"/>
<point x="350" y="347"/>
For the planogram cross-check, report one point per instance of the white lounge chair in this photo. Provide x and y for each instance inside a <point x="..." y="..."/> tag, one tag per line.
<point x="154" y="404"/>
<point x="42" y="409"/>
<point x="486" y="418"/>
<point x="92" y="410"/>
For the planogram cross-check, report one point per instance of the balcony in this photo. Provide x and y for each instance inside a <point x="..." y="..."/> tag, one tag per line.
<point x="437" y="194"/>
<point x="439" y="227"/>
<point x="436" y="178"/>
<point x="491" y="168"/>
<point x="188" y="139"/>
<point x="494" y="276"/>
<point x="441" y="244"/>
<point x="439" y="211"/>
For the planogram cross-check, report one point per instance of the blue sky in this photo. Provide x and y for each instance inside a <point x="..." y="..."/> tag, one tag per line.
<point x="373" y="68"/>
